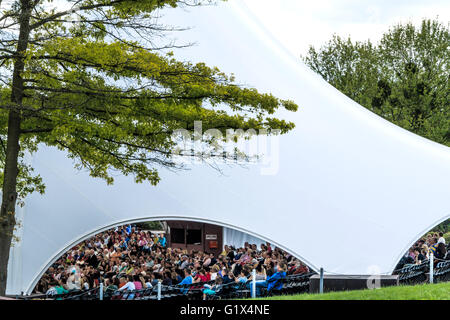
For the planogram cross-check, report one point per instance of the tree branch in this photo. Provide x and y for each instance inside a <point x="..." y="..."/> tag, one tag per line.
<point x="74" y="9"/>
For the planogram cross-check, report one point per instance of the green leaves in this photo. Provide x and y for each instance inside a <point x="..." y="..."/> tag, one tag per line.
<point x="96" y="87"/>
<point x="404" y="78"/>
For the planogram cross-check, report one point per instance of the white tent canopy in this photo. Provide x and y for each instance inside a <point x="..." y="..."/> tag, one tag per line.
<point x="237" y="239"/>
<point x="351" y="191"/>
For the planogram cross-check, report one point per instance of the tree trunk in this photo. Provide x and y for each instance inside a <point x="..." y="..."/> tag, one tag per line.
<point x="9" y="196"/>
<point x="9" y="192"/>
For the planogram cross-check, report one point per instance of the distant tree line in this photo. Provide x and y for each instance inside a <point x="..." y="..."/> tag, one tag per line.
<point x="404" y="77"/>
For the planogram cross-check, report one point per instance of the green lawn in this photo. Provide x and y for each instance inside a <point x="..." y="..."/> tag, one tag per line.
<point x="439" y="291"/>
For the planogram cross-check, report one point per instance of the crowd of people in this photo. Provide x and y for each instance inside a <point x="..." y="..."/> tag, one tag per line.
<point x="433" y="243"/>
<point x="129" y="258"/>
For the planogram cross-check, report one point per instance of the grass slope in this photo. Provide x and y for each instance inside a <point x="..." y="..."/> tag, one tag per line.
<point x="439" y="291"/>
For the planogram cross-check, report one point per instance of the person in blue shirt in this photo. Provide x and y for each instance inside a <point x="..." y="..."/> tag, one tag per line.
<point x="187" y="280"/>
<point x="162" y="240"/>
<point x="60" y="290"/>
<point x="123" y="245"/>
<point x="179" y="278"/>
<point x="273" y="281"/>
<point x="243" y="277"/>
<point x="211" y="290"/>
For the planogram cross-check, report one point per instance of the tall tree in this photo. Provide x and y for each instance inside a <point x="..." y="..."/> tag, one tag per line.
<point x="90" y="77"/>
<point x="404" y="78"/>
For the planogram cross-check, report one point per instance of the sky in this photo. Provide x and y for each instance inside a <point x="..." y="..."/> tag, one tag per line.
<point x="297" y="24"/>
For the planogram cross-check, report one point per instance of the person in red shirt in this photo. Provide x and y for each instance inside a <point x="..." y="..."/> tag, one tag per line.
<point x="300" y="268"/>
<point x="208" y="275"/>
<point x="201" y="276"/>
<point x="269" y="248"/>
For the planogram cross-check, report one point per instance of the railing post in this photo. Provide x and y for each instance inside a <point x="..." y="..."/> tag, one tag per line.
<point x="321" y="281"/>
<point x="254" y="283"/>
<point x="431" y="267"/>
<point x="101" y="291"/>
<point x="159" y="290"/>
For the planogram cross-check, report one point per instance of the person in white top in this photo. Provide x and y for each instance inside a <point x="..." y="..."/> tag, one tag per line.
<point x="214" y="271"/>
<point x="441" y="238"/>
<point x="73" y="281"/>
<point x="129" y="285"/>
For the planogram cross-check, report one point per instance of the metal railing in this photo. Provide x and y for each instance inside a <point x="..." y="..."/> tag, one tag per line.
<point x="432" y="270"/>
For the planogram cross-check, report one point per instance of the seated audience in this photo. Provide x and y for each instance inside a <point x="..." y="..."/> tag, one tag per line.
<point x="127" y="258"/>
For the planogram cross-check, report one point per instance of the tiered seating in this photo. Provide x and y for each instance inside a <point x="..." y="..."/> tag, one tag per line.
<point x="227" y="291"/>
<point x="71" y="295"/>
<point x="240" y="291"/>
<point x="442" y="271"/>
<point x="195" y="290"/>
<point x="414" y="274"/>
<point x="292" y="284"/>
